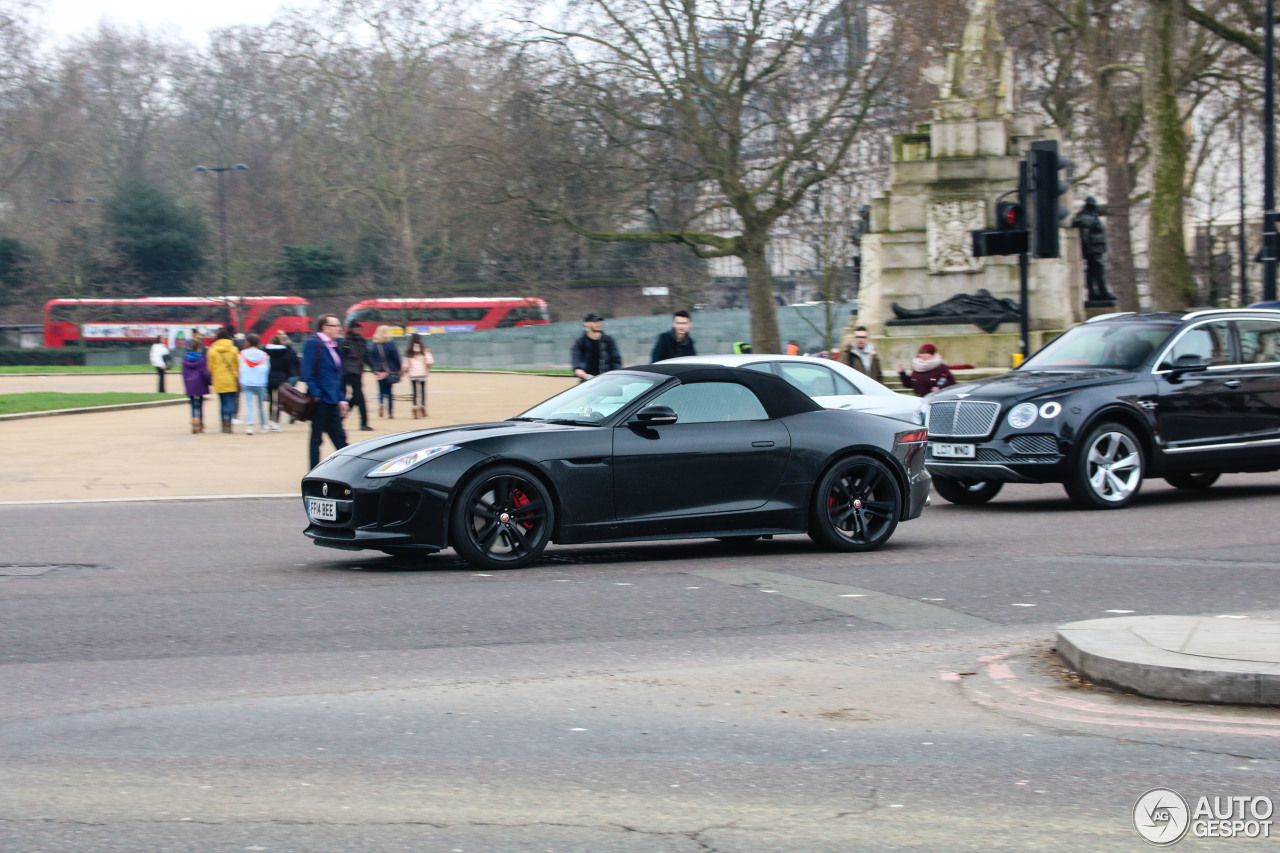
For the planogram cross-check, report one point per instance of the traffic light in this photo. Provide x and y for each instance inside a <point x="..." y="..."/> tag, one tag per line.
<point x="1046" y="186"/>
<point x="1010" y="216"/>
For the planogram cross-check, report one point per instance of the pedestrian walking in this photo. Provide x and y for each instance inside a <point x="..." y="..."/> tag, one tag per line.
<point x="160" y="360"/>
<point x="322" y="371"/>
<point x="793" y="348"/>
<point x="355" y="354"/>
<point x="594" y="352"/>
<point x="928" y="372"/>
<point x="676" y="341"/>
<point x="224" y="370"/>
<point x="284" y="366"/>
<point x="255" y="372"/>
<point x="195" y="379"/>
<point x="861" y="354"/>
<point x="384" y="361"/>
<point x="418" y="361"/>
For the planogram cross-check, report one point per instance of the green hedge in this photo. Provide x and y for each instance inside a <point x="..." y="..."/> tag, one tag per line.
<point x="42" y="356"/>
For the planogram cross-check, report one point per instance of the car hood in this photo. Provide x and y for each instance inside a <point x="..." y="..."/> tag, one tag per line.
<point x="1019" y="384"/>
<point x="386" y="447"/>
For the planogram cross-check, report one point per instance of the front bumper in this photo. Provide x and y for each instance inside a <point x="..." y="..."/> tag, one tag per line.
<point x="1015" y="458"/>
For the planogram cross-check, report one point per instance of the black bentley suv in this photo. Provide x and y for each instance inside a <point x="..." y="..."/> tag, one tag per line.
<point x="1183" y="396"/>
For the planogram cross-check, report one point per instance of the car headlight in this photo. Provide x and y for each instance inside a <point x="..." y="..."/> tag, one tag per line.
<point x="1022" y="415"/>
<point x="404" y="463"/>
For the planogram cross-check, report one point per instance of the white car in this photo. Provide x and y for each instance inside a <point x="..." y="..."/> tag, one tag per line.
<point x="833" y="384"/>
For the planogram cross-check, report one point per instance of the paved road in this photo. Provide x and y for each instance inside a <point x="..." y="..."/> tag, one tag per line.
<point x="196" y="676"/>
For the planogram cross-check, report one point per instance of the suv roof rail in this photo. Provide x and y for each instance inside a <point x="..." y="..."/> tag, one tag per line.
<point x="1205" y="311"/>
<point x="1109" y="316"/>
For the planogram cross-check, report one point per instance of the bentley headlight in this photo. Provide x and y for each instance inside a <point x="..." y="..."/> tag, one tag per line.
<point x="404" y="463"/>
<point x="1022" y="415"/>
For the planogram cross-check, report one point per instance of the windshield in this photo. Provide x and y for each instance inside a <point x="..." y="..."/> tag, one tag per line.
<point x="595" y="399"/>
<point x="1120" y="346"/>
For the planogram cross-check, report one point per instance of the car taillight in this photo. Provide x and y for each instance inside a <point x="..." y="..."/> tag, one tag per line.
<point x="920" y="436"/>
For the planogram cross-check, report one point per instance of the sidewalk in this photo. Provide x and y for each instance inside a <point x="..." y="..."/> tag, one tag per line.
<point x="151" y="453"/>
<point x="1221" y="659"/>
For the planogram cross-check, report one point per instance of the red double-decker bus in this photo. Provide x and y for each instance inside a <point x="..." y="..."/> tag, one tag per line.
<point x="138" y="322"/>
<point x="455" y="314"/>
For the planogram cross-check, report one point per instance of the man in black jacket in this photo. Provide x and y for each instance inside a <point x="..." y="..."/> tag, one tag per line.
<point x="595" y="352"/>
<point x="355" y="354"/>
<point x="676" y="342"/>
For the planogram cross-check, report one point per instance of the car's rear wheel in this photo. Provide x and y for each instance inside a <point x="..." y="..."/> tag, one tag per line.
<point x="502" y="518"/>
<point x="1108" y="471"/>
<point x="959" y="491"/>
<point x="856" y="506"/>
<point x="1201" y="480"/>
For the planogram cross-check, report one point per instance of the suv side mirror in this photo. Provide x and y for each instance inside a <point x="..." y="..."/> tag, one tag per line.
<point x="651" y="416"/>
<point x="1188" y="363"/>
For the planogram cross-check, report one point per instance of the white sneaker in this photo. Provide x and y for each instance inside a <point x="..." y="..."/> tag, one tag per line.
<point x="275" y="427"/>
<point x="248" y="430"/>
<point x="236" y="421"/>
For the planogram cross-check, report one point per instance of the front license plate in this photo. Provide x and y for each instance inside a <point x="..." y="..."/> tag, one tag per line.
<point x="322" y="510"/>
<point x="952" y="451"/>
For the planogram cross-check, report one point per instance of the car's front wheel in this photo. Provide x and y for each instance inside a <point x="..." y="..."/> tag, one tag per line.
<point x="1108" y="471"/>
<point x="502" y="518"/>
<point x="1201" y="480"/>
<point x="959" y="491"/>
<point x="856" y="506"/>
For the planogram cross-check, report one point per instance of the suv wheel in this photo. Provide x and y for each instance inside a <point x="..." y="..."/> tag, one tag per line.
<point x="1108" y="471"/>
<point x="967" y="492"/>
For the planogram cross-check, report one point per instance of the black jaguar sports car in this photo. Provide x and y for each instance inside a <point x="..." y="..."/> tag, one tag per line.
<point x="666" y="451"/>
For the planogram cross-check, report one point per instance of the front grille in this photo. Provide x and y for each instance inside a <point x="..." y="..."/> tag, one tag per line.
<point x="962" y="418"/>
<point x="1034" y="445"/>
<point x="336" y="490"/>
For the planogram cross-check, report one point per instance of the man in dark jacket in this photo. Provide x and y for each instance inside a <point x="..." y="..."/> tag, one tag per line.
<point x="595" y="352"/>
<point x="355" y="354"/>
<point x="322" y="371"/>
<point x="676" y="342"/>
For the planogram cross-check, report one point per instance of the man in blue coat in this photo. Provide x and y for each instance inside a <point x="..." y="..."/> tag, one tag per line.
<point x="322" y="371"/>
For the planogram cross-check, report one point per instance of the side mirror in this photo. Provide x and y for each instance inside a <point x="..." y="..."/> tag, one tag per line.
<point x="1188" y="363"/>
<point x="651" y="416"/>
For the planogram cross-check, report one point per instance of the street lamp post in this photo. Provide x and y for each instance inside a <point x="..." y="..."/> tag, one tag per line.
<point x="1269" y="247"/>
<point x="222" y="216"/>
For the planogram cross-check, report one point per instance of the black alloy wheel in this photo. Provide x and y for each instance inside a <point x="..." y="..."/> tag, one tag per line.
<point x="1108" y="471"/>
<point x="856" y="506"/>
<point x="966" y="492"/>
<point x="502" y="518"/>
<point x="1199" y="480"/>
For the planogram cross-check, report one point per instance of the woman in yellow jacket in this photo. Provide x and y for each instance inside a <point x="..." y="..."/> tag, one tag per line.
<point x="224" y="369"/>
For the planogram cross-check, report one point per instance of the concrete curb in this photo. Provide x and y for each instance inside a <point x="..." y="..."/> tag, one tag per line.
<point x="118" y="407"/>
<point x="174" y="498"/>
<point x="1107" y="652"/>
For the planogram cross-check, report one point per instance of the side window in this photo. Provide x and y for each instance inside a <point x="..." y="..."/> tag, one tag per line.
<point x="1210" y="341"/>
<point x="760" y="366"/>
<point x="710" y="402"/>
<point x="815" y="380"/>
<point x="1259" y="341"/>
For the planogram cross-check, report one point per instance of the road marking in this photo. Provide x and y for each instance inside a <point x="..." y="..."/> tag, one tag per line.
<point x="154" y="499"/>
<point x="890" y="610"/>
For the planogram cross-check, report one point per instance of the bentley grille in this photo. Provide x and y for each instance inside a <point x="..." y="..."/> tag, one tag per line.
<point x="962" y="418"/>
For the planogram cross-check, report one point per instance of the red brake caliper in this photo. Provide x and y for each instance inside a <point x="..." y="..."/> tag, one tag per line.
<point x="519" y="499"/>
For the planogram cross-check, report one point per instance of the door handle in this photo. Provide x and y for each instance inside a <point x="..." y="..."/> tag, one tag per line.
<point x="1232" y="383"/>
<point x="762" y="444"/>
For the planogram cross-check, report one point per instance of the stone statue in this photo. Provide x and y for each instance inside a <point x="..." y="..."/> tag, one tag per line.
<point x="981" y="309"/>
<point x="1093" y="245"/>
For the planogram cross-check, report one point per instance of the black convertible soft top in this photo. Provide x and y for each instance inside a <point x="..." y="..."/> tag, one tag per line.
<point x="778" y="396"/>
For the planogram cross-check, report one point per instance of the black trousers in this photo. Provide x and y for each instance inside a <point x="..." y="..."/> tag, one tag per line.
<point x="160" y="373"/>
<point x="327" y="421"/>
<point x="355" y="395"/>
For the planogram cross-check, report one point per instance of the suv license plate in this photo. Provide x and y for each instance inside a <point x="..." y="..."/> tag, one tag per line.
<point x="322" y="510"/>
<point x="952" y="451"/>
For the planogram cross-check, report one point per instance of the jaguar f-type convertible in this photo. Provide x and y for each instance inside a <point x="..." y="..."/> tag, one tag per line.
<point x="666" y="451"/>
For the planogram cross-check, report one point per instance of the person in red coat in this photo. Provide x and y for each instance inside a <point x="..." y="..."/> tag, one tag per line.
<point x="928" y="372"/>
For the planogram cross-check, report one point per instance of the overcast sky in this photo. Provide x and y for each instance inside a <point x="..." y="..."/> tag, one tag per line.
<point x="189" y="20"/>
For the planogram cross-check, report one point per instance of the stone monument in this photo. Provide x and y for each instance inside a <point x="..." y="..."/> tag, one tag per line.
<point x="944" y="181"/>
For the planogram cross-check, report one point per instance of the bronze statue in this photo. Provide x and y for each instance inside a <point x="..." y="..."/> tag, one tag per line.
<point x="1093" y="246"/>
<point x="981" y="309"/>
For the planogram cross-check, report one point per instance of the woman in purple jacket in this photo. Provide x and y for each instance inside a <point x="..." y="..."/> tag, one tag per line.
<point x="195" y="376"/>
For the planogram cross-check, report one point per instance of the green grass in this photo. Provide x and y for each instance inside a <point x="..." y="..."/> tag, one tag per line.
<point x="76" y="368"/>
<point x="42" y="401"/>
